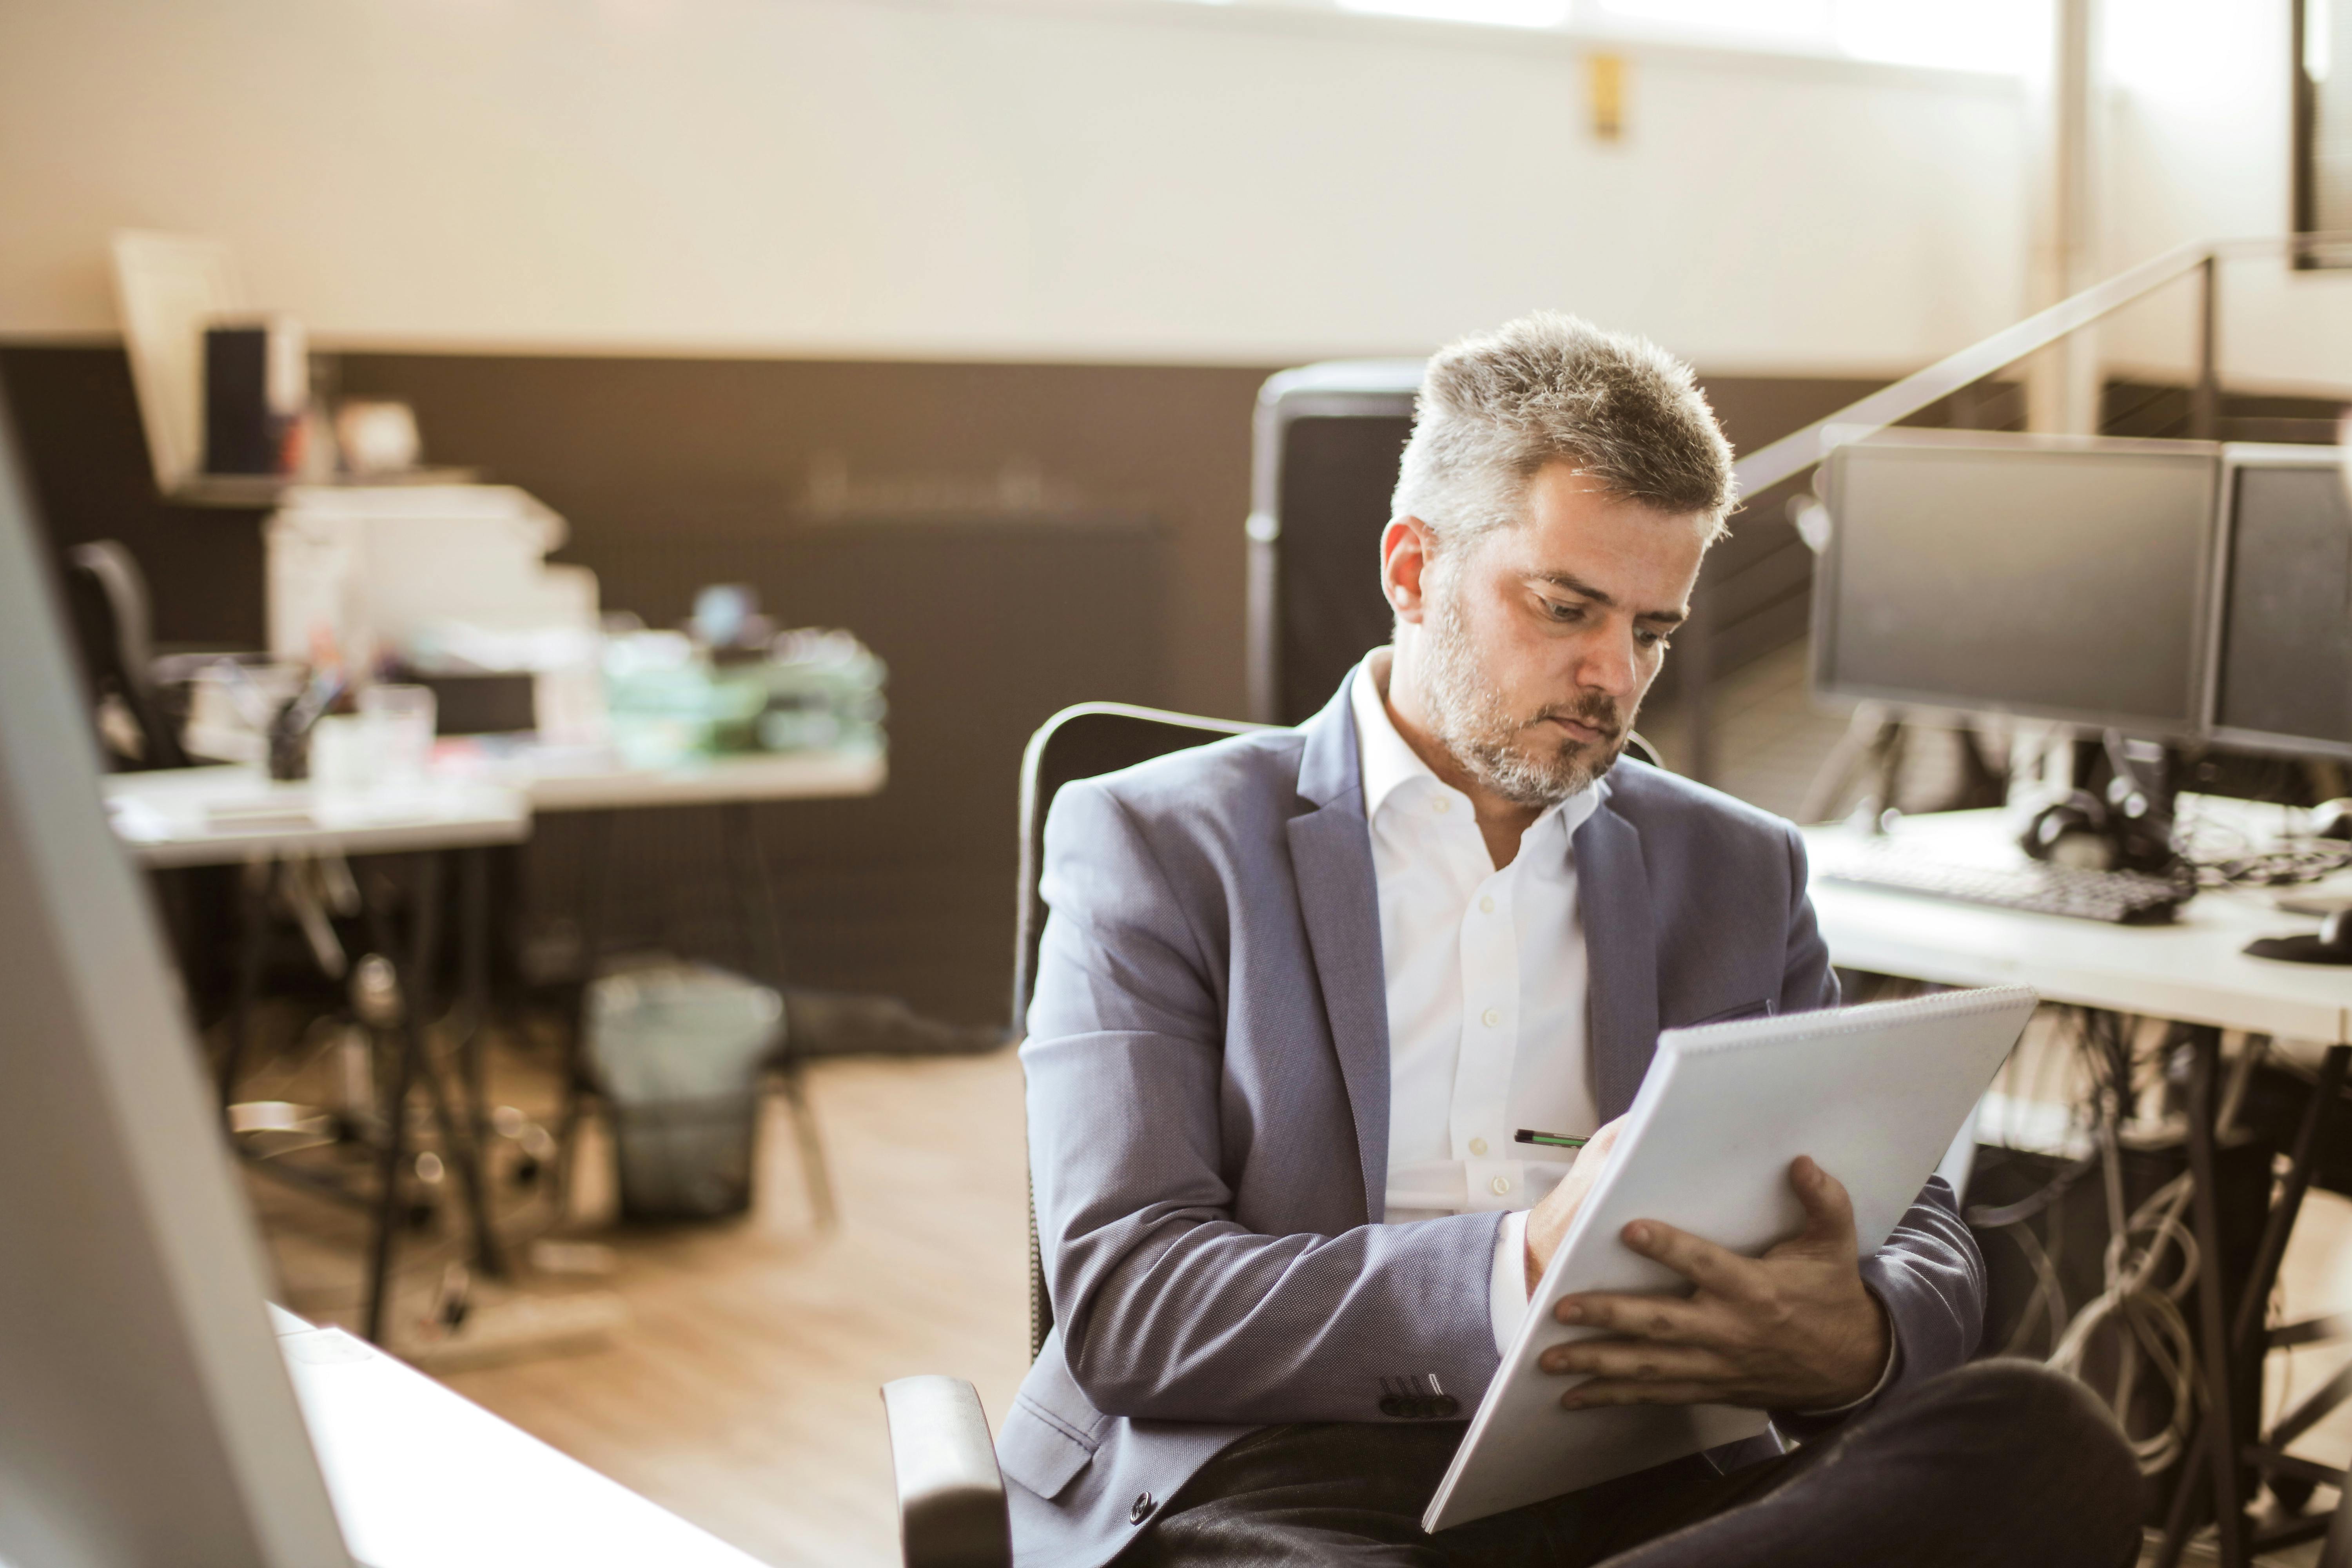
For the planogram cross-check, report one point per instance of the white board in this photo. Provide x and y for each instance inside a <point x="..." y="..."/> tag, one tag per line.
<point x="1873" y="1093"/>
<point x="169" y="287"/>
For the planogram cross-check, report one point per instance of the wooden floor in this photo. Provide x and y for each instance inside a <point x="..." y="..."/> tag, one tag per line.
<point x="744" y="1396"/>
<point x="742" y="1390"/>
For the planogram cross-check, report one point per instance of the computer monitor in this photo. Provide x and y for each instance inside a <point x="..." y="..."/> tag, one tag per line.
<point x="2048" y="577"/>
<point x="2282" y="622"/>
<point x="145" y="1414"/>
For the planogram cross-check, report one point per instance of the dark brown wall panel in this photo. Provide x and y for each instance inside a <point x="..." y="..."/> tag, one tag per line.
<point x="1010" y="537"/>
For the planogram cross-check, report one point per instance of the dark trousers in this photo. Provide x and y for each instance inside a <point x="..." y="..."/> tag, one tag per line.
<point x="1998" y="1463"/>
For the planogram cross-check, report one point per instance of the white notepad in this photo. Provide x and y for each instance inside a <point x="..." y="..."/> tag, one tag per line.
<point x="1873" y="1093"/>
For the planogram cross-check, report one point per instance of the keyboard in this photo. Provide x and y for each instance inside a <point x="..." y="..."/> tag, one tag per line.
<point x="2117" y="898"/>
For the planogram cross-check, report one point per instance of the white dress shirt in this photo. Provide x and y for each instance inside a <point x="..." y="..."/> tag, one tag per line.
<point x="1486" y="988"/>
<point x="1486" y="977"/>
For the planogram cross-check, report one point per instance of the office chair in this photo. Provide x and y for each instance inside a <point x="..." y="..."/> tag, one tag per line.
<point x="107" y="597"/>
<point x="1080" y="743"/>
<point x="951" y="1495"/>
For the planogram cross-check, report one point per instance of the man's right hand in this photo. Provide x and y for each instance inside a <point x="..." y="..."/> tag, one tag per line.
<point x="1548" y="1222"/>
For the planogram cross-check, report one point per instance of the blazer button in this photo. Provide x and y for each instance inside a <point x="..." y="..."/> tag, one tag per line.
<point x="1142" y="1508"/>
<point x="1444" y="1405"/>
<point x="1392" y="1406"/>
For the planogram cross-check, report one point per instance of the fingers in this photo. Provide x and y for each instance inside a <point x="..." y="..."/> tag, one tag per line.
<point x="1638" y="1360"/>
<point x="1703" y="1263"/>
<point x="1635" y="1316"/>
<point x="1829" y="1212"/>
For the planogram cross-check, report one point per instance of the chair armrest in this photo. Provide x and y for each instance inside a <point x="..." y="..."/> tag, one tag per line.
<point x="951" y="1494"/>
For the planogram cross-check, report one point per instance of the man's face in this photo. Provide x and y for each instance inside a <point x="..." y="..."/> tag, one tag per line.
<point x="1539" y="640"/>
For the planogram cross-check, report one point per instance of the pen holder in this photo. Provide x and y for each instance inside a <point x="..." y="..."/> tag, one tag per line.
<point x="290" y="744"/>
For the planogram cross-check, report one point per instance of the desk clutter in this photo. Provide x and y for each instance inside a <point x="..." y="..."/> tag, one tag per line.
<point x="421" y="1107"/>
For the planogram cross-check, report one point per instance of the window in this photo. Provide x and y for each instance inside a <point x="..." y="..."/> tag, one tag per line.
<point x="2006" y="36"/>
<point x="2323" y="126"/>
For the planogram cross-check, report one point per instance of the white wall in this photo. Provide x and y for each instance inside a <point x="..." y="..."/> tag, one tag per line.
<point x="2200" y="137"/>
<point x="1086" y="179"/>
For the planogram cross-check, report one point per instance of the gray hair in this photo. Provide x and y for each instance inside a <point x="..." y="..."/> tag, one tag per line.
<point x="1499" y="408"/>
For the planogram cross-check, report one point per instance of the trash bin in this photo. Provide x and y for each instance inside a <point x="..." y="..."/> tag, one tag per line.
<point x="677" y="1049"/>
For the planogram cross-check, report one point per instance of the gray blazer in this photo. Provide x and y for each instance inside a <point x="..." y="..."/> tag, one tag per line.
<point x="1208" y="1082"/>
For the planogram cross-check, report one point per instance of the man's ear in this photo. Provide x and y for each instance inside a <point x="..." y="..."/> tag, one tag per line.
<point x="1407" y="548"/>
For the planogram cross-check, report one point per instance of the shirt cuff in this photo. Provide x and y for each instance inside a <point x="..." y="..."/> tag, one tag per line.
<point x="1506" y="1292"/>
<point x="1885" y="1376"/>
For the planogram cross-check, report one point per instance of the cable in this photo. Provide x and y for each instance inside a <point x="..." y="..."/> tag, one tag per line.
<point x="2155" y="1328"/>
<point x="2141" y="1301"/>
<point x="2222" y="855"/>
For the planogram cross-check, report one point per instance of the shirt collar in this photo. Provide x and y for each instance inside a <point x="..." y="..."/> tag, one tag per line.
<point x="1389" y="763"/>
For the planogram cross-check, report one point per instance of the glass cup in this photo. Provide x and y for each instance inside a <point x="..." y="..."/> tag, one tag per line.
<point x="400" y="721"/>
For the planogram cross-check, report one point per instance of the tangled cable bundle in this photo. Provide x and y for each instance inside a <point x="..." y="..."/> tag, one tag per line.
<point x="2144" y="1286"/>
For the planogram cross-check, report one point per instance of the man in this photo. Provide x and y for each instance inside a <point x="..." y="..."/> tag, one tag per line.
<point x="1298" y="991"/>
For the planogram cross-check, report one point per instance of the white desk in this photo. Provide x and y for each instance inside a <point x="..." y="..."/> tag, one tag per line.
<point x="597" y="787"/>
<point x="2193" y="970"/>
<point x="420" y="1476"/>
<point x="556" y="786"/>
<point x="220" y="815"/>
<point x="233" y="813"/>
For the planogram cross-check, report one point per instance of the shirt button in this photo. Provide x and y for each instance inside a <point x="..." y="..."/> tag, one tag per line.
<point x="1501" y="1184"/>
<point x="1490" y="1017"/>
<point x="1477" y="1146"/>
<point x="1487" y="905"/>
<point x="1141" y="1509"/>
<point x="1443" y="805"/>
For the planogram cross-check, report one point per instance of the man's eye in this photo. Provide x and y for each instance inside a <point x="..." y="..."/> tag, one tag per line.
<point x="1648" y="638"/>
<point x="1560" y="612"/>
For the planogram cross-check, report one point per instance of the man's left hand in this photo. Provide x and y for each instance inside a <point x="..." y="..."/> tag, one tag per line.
<point x="1793" y="1330"/>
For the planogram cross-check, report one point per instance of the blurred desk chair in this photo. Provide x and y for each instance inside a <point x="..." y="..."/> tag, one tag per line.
<point x="106" y="597"/>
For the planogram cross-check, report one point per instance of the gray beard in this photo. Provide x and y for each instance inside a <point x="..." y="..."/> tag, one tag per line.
<point x="1469" y="721"/>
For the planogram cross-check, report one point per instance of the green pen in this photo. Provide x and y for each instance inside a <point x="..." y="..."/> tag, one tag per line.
<point x="1551" y="1139"/>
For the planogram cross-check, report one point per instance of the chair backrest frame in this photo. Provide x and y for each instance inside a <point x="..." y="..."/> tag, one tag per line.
<point x="107" y="606"/>
<point x="1081" y="741"/>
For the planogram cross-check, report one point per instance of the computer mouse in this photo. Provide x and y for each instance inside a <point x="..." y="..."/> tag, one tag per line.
<point x="2332" y="946"/>
<point x="2335" y="936"/>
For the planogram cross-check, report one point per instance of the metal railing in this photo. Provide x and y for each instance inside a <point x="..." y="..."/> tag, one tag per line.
<point x="1711" y="648"/>
<point x="1791" y="454"/>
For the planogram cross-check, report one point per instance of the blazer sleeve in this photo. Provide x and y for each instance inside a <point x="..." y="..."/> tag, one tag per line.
<point x="1807" y="981"/>
<point x="1167" y="1307"/>
<point x="1929" y="1275"/>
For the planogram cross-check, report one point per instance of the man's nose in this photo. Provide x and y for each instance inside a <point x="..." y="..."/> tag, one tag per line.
<point x="1610" y="664"/>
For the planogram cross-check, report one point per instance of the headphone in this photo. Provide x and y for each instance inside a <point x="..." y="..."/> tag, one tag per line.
<point x="2126" y="829"/>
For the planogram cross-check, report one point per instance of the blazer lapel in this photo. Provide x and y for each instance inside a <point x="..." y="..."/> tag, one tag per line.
<point x="1612" y="891"/>
<point x="1332" y="859"/>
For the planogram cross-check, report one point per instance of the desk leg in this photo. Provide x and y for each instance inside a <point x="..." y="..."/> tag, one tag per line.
<point x="2280" y="1227"/>
<point x="252" y="948"/>
<point x="2337" y="1553"/>
<point x="467" y="1134"/>
<point x="753" y="883"/>
<point x="408" y="1059"/>
<point x="2213" y="1318"/>
<point x="596" y="856"/>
